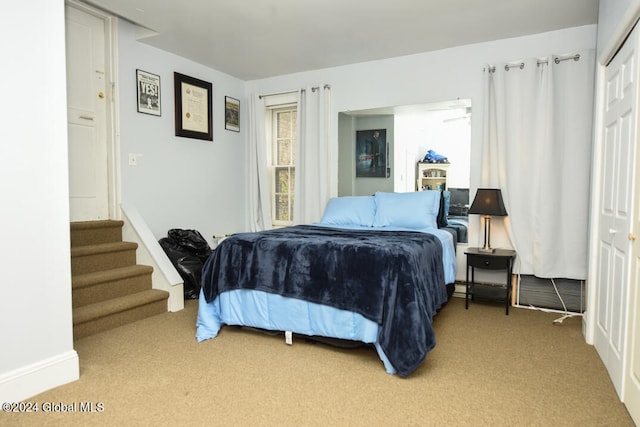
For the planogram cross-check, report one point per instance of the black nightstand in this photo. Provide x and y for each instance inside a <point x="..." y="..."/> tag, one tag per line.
<point x="500" y="259"/>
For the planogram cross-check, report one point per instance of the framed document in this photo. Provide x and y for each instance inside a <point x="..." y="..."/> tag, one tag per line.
<point x="231" y="114"/>
<point x="193" y="115"/>
<point x="148" y="93"/>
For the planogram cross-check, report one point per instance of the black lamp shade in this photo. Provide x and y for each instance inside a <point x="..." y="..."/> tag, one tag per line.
<point x="488" y="201"/>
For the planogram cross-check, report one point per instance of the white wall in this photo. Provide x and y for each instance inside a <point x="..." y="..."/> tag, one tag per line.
<point x="35" y="296"/>
<point x="346" y="172"/>
<point x="429" y="77"/>
<point x="615" y="20"/>
<point x="184" y="183"/>
<point x="179" y="182"/>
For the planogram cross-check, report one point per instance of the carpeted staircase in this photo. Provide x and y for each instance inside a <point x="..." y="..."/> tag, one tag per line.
<point x="109" y="288"/>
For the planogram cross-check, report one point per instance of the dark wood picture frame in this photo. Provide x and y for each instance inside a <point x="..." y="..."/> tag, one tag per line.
<point x="193" y="112"/>
<point x="231" y="114"/>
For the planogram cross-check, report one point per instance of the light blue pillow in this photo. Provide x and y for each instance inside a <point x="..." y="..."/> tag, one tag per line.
<point x="350" y="210"/>
<point x="416" y="210"/>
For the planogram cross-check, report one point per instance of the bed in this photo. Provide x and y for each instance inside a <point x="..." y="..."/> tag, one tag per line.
<point x="375" y="269"/>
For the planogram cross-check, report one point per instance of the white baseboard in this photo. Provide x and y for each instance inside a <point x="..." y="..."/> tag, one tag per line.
<point x="28" y="381"/>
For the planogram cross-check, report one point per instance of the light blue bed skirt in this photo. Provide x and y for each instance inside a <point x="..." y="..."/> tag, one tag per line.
<point x="273" y="312"/>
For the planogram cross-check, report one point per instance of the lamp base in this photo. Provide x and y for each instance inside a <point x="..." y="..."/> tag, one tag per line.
<point x="487" y="250"/>
<point x="487" y="236"/>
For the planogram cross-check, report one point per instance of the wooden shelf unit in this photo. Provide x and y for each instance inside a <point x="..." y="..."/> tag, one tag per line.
<point x="432" y="176"/>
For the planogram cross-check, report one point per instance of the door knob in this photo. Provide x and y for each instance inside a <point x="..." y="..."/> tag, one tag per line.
<point x="100" y="95"/>
<point x="632" y="237"/>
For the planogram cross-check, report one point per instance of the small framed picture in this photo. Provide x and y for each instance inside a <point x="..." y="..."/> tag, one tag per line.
<point x="148" y="93"/>
<point x="231" y="114"/>
<point x="193" y="115"/>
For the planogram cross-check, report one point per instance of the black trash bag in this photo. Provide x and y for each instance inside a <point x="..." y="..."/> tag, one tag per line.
<point x="191" y="241"/>
<point x="188" y="251"/>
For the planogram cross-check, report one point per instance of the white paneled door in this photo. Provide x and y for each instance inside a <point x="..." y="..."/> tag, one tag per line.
<point x="632" y="369"/>
<point x="615" y="214"/>
<point x="616" y="318"/>
<point x="86" y="116"/>
<point x="631" y="392"/>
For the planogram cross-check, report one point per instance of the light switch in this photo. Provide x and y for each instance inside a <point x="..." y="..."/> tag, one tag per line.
<point x="133" y="159"/>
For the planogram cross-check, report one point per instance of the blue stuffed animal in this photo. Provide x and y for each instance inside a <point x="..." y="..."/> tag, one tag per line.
<point x="433" y="157"/>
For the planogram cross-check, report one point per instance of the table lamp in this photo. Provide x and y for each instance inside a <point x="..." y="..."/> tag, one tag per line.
<point x="488" y="202"/>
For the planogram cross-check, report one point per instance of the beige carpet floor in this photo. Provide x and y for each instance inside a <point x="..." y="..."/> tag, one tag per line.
<point x="487" y="369"/>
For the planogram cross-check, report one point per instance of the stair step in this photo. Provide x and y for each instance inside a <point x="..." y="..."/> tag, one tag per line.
<point x="109" y="288"/>
<point x="98" y="317"/>
<point x="95" y="287"/>
<point x="95" y="232"/>
<point x="105" y="256"/>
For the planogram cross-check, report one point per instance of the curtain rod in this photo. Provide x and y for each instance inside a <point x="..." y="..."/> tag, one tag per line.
<point x="313" y="89"/>
<point x="325" y="87"/>
<point x="557" y="60"/>
<point x="276" y="93"/>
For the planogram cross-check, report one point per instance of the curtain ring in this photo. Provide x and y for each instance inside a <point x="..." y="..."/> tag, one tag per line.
<point x="520" y="65"/>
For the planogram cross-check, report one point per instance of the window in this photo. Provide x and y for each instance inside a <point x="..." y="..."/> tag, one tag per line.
<point x="282" y="163"/>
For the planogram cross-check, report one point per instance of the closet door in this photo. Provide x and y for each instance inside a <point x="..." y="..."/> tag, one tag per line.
<point x="632" y="371"/>
<point x="616" y="203"/>
<point x="631" y="391"/>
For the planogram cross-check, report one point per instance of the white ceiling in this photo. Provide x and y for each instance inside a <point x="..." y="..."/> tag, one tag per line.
<point x="253" y="39"/>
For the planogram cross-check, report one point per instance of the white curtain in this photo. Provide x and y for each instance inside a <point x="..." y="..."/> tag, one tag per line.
<point x="537" y="149"/>
<point x="311" y="191"/>
<point x="259" y="188"/>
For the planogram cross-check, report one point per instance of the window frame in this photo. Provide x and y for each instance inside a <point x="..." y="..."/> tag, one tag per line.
<point x="272" y="138"/>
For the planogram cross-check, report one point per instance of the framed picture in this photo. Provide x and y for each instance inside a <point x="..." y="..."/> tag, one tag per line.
<point x="193" y="115"/>
<point x="371" y="153"/>
<point x="231" y="114"/>
<point x="148" y="93"/>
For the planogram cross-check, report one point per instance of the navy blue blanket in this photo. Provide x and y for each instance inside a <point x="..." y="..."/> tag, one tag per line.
<point x="395" y="279"/>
